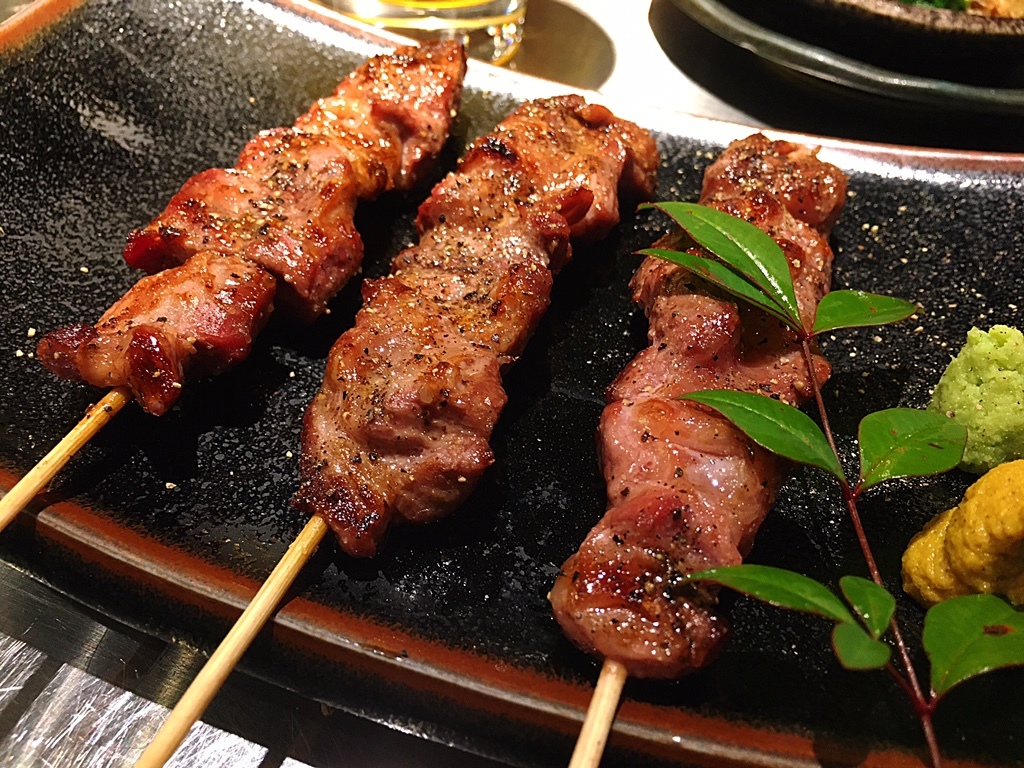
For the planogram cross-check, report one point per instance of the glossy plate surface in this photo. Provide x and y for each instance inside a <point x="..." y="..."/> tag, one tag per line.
<point x="171" y="523"/>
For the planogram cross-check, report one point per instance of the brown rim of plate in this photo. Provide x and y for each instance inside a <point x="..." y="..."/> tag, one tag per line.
<point x="20" y="27"/>
<point x="471" y="680"/>
<point x="926" y="18"/>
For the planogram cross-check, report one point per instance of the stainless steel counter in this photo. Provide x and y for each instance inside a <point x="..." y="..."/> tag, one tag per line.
<point x="79" y="689"/>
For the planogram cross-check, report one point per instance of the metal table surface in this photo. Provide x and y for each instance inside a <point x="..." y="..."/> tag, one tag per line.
<point x="78" y="688"/>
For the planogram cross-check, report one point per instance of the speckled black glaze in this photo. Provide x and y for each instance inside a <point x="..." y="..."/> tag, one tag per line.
<point x="106" y="113"/>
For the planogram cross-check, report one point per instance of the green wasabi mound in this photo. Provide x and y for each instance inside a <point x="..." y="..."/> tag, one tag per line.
<point x="983" y="389"/>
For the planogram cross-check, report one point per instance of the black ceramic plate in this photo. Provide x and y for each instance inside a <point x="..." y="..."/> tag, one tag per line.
<point x="946" y="67"/>
<point x="171" y="523"/>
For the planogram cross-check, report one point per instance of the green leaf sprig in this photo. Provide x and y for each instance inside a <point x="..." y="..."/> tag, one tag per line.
<point x="744" y="261"/>
<point x="951" y="5"/>
<point x="963" y="637"/>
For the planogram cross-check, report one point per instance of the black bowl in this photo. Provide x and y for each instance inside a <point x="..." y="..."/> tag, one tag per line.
<point x="911" y="39"/>
<point x="911" y="19"/>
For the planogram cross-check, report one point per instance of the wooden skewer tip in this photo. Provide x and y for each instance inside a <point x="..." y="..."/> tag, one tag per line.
<point x="600" y="715"/>
<point x="42" y="473"/>
<point x="193" y="703"/>
<point x="211" y="677"/>
<point x="200" y="693"/>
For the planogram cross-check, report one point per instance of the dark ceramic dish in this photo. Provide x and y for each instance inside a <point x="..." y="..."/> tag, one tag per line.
<point x="170" y="524"/>
<point x="922" y="19"/>
<point x="880" y="48"/>
<point x="916" y="39"/>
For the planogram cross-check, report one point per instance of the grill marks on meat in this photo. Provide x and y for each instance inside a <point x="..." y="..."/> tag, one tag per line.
<point x="401" y="427"/>
<point x="686" y="489"/>
<point x="276" y="228"/>
<point x="202" y="315"/>
<point x="288" y="202"/>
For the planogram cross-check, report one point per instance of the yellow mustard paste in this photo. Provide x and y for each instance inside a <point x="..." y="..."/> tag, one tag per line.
<point x="976" y="547"/>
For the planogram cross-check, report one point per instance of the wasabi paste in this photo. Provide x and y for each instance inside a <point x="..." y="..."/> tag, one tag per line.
<point x="983" y="389"/>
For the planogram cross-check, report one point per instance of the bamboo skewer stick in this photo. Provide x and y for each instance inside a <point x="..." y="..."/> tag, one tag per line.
<point x="600" y="714"/>
<point x="193" y="703"/>
<point x="211" y="677"/>
<point x="42" y="473"/>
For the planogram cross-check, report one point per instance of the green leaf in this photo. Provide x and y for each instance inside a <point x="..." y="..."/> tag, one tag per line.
<point x="852" y="309"/>
<point x="719" y="274"/>
<point x="968" y="636"/>
<point x="857" y="650"/>
<point x="742" y="246"/>
<point x="953" y="5"/>
<point x="905" y="442"/>
<point x="774" y="425"/>
<point x="779" y="587"/>
<point x="873" y="604"/>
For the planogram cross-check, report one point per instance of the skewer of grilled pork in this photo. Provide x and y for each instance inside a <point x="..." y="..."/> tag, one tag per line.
<point x="686" y="489"/>
<point x="275" y="229"/>
<point x="412" y="392"/>
<point x="401" y="428"/>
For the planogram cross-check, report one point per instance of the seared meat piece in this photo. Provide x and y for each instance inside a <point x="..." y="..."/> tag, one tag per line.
<point x="281" y="220"/>
<point x="200" y="317"/>
<point x="295" y="222"/>
<point x="288" y="202"/>
<point x="401" y="427"/>
<point x="686" y="489"/>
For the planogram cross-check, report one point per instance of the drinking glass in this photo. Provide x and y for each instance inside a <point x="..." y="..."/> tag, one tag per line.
<point x="491" y="30"/>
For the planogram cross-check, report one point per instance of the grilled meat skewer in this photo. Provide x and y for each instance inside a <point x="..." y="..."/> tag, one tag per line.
<point x="686" y="489"/>
<point x="200" y="317"/>
<point x="276" y="228"/>
<point x="288" y="202"/>
<point x="401" y="427"/>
